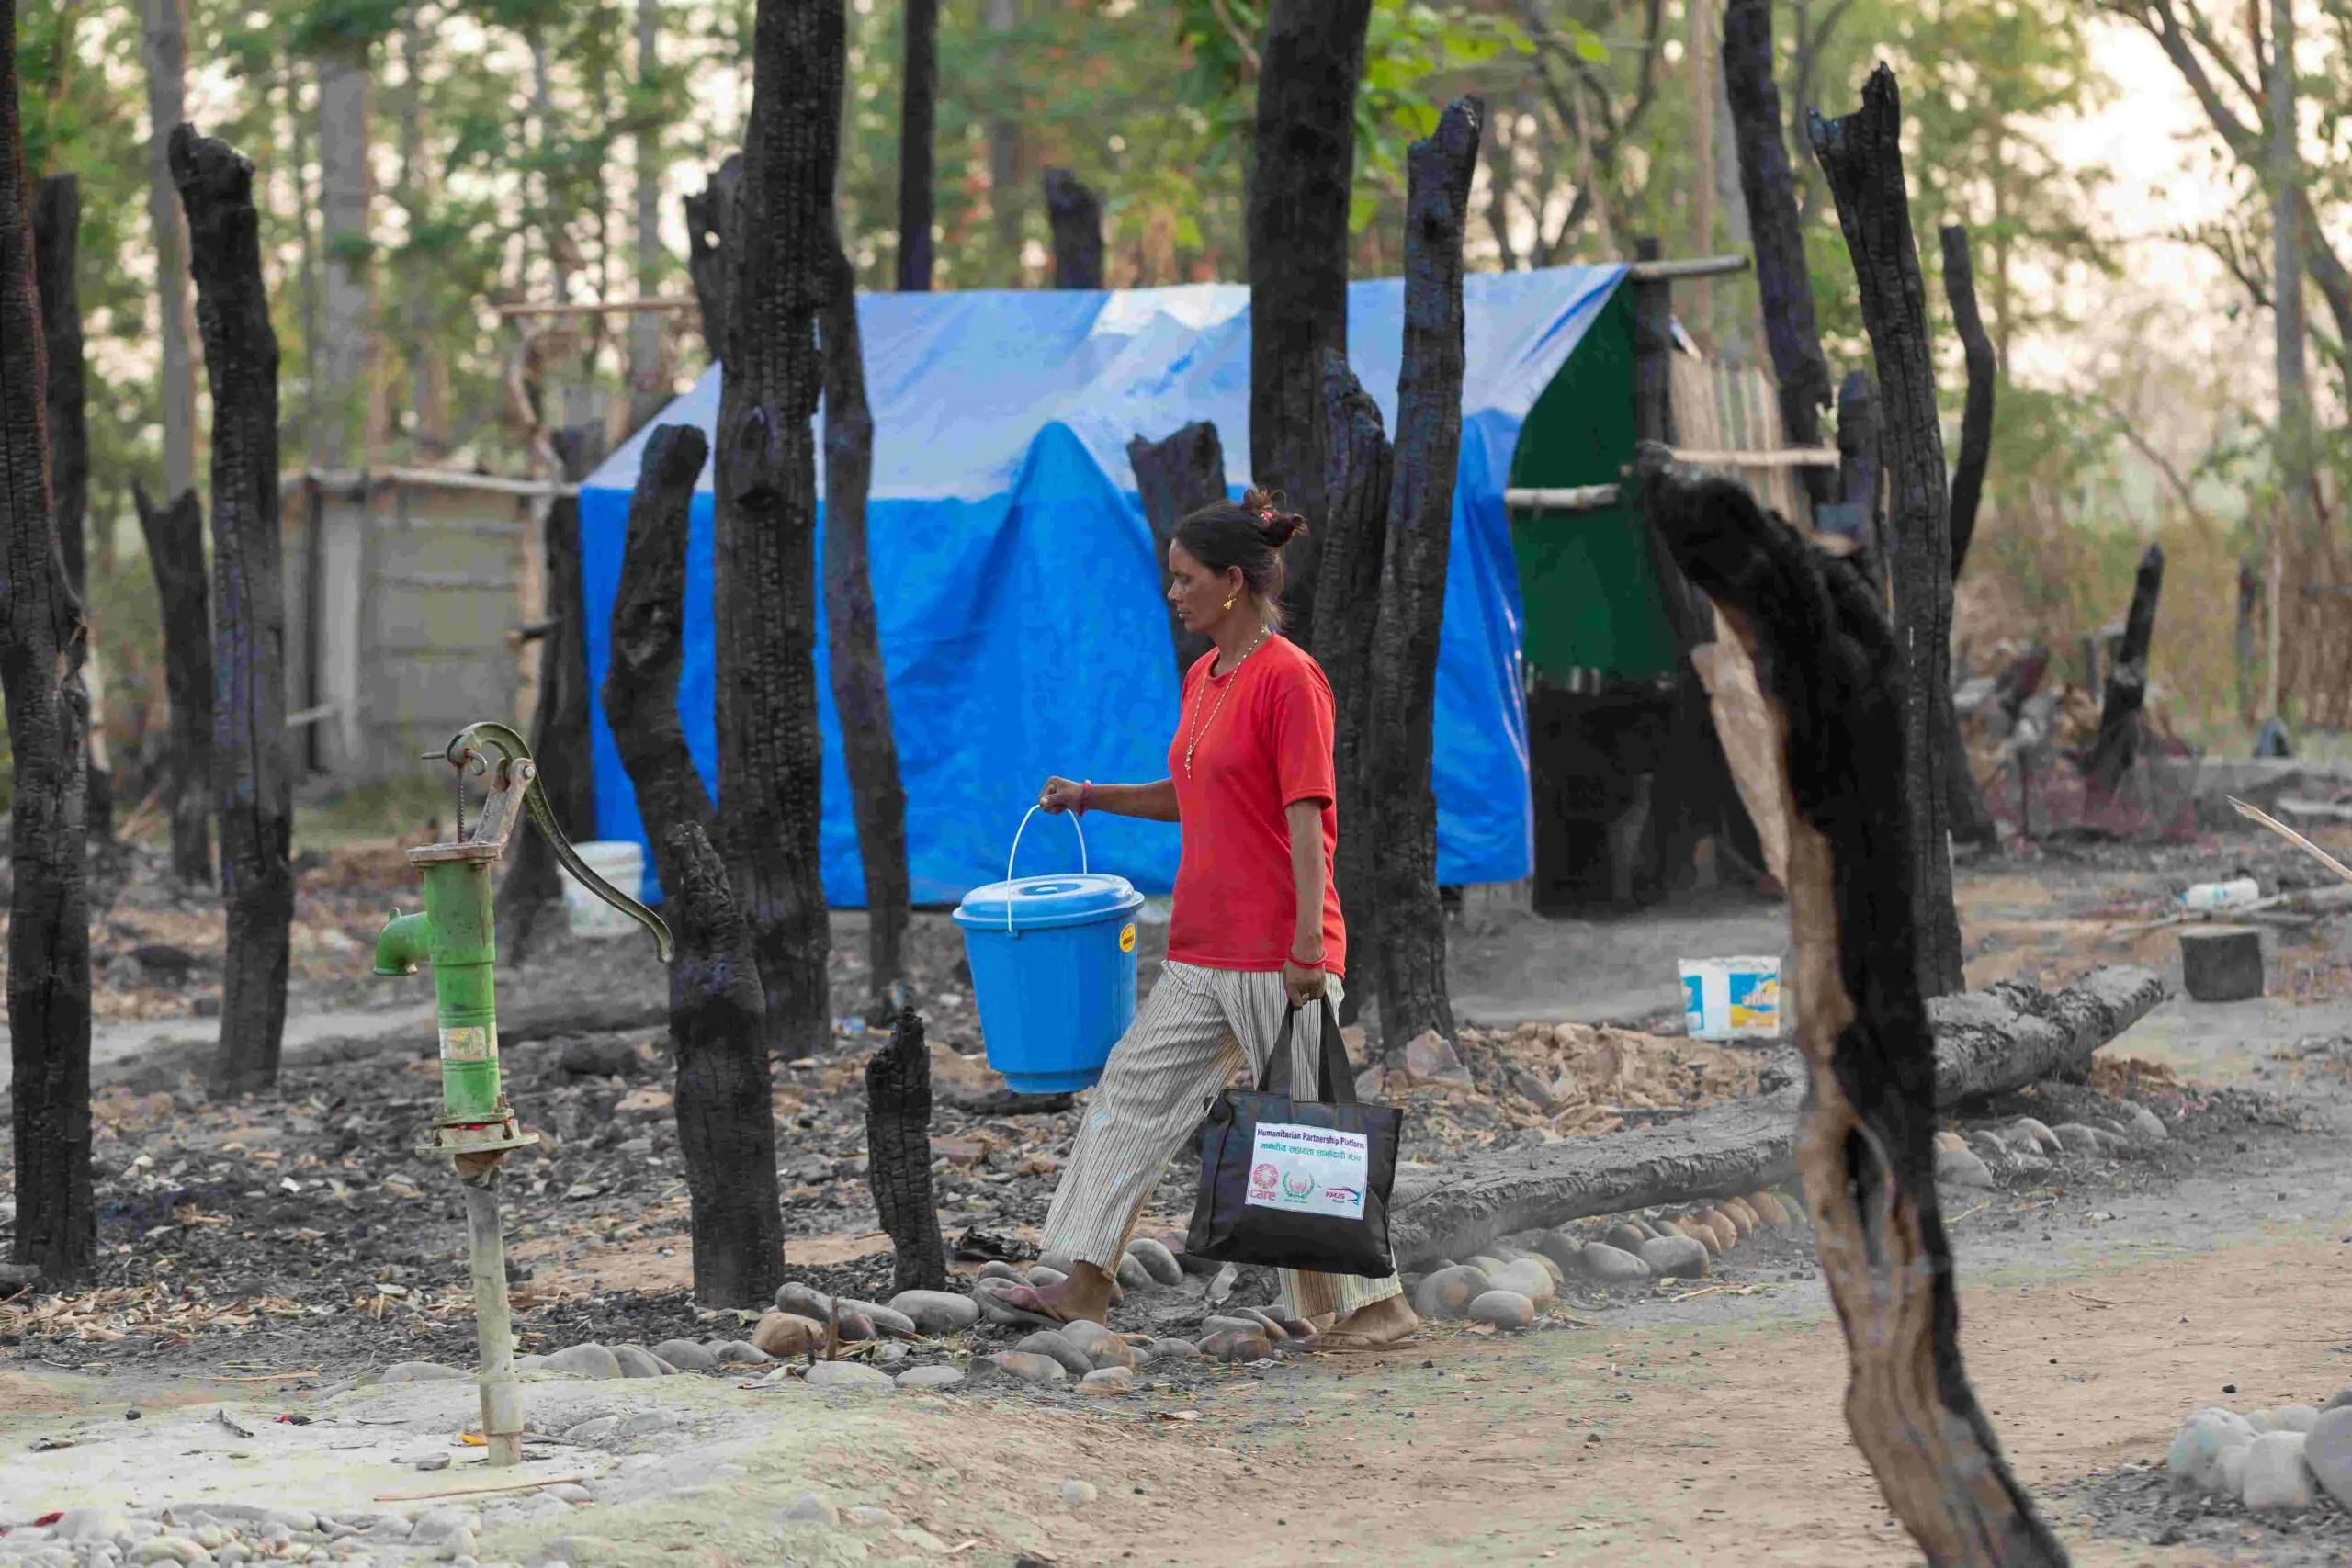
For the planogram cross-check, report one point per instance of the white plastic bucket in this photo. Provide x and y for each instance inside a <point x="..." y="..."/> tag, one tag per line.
<point x="1729" y="998"/>
<point x="620" y="861"/>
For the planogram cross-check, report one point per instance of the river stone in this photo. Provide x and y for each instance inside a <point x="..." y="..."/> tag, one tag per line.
<point x="871" y="1518"/>
<point x="1528" y="1279"/>
<point x="1561" y="1249"/>
<point x="803" y="1301"/>
<point x="1675" y="1257"/>
<point x="1078" y="1494"/>
<point x="939" y="1376"/>
<point x="1233" y="1346"/>
<point x="2077" y="1137"/>
<point x="1107" y="1380"/>
<point x="1726" y="1234"/>
<point x="2043" y="1138"/>
<point x="2277" y="1479"/>
<point x="1963" y="1167"/>
<point x="739" y="1353"/>
<point x="2336" y="1401"/>
<point x="1047" y="1343"/>
<point x="1771" y="1208"/>
<point x="1174" y="1350"/>
<point x="2195" y="1458"/>
<point x="2262" y="1421"/>
<point x="89" y="1525"/>
<point x="1487" y="1263"/>
<point x="2230" y="1480"/>
<point x="420" y="1371"/>
<point x="847" y="1374"/>
<point x="1101" y="1346"/>
<point x="998" y="1268"/>
<point x="782" y="1335"/>
<point x="1132" y="1275"/>
<point x="2294" y="1418"/>
<point x="1948" y="1139"/>
<point x="585" y="1360"/>
<point x="1044" y="1275"/>
<point x="1448" y="1292"/>
<point x="2328" y="1450"/>
<point x="686" y="1355"/>
<point x="1270" y="1325"/>
<point x="853" y="1326"/>
<point x="596" y="1429"/>
<point x="1030" y="1367"/>
<point x="2145" y="1123"/>
<point x="1684" y="1225"/>
<point x="1610" y="1265"/>
<point x="896" y="1323"/>
<point x="637" y="1361"/>
<point x="936" y="1312"/>
<point x="1739" y="1214"/>
<point x="809" y="1508"/>
<point x="1625" y="1237"/>
<point x="1157" y="1261"/>
<point x="1222" y="1322"/>
<point x="1504" y="1309"/>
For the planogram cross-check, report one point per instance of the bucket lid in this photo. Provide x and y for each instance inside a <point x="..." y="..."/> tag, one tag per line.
<point x="1039" y="903"/>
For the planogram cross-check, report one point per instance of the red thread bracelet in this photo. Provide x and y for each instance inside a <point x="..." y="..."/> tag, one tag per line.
<point x="1084" y="789"/>
<point x="1297" y="962"/>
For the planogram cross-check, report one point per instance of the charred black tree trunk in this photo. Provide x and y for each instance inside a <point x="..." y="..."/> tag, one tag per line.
<point x="2118" y="741"/>
<point x="1783" y="279"/>
<point x="251" y="769"/>
<point x="2246" y="639"/>
<point x="649" y="618"/>
<point x="1972" y="818"/>
<point x="1862" y="156"/>
<point x="711" y="218"/>
<point x="1299" y="190"/>
<point x="175" y="550"/>
<point x="57" y="227"/>
<point x="861" y="696"/>
<point x="41" y="635"/>
<point x="1175" y="476"/>
<point x="725" y="1110"/>
<point x="898" y="1148"/>
<point x="917" y="112"/>
<point x="1858" y="468"/>
<point x="1409" y="956"/>
<point x="775" y="263"/>
<point x="726" y="1105"/>
<point x="532" y="891"/>
<point x="1347" y="603"/>
<point x="1076" y="214"/>
<point x="1827" y="664"/>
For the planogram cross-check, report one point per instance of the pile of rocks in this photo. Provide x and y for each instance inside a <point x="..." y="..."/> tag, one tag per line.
<point x="2023" y="1146"/>
<point x="2280" y="1460"/>
<point x="224" y="1535"/>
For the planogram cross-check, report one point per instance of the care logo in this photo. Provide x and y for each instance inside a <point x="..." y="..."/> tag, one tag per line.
<point x="1264" y="1177"/>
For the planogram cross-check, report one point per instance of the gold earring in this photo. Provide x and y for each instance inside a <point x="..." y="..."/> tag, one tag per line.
<point x="1229" y="603"/>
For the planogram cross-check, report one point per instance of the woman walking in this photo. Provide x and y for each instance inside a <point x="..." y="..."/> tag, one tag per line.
<point x="1256" y="927"/>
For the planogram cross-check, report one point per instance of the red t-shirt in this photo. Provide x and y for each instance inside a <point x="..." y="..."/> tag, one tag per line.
<point x="1262" y="746"/>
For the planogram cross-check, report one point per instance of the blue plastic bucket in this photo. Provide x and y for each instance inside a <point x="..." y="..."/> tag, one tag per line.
<point x="1053" y="970"/>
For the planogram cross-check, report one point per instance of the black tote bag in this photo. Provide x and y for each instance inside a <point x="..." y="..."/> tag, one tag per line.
<point x="1297" y="1183"/>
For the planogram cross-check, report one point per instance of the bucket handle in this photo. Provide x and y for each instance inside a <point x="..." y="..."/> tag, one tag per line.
<point x="1016" y="855"/>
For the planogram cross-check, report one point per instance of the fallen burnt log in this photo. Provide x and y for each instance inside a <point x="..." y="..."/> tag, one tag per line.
<point x="2004" y="1037"/>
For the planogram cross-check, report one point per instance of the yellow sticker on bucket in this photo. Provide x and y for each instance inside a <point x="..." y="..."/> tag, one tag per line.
<point x="1127" y="939"/>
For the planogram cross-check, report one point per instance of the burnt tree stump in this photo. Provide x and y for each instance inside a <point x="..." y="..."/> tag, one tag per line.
<point x="711" y="216"/>
<point x="774" y="264"/>
<point x="1076" y="214"/>
<point x="1826" y="662"/>
<point x="2222" y="963"/>
<point x="2116" y="744"/>
<point x="1408" y="949"/>
<point x="861" y="693"/>
<point x="41" y="640"/>
<point x="898" y="1147"/>
<point x="532" y="890"/>
<point x="1175" y="477"/>
<point x="1972" y="818"/>
<point x="725" y="1103"/>
<point x="918" y="113"/>
<point x="1862" y="156"/>
<point x="1356" y="482"/>
<point x="1859" y="473"/>
<point x="1783" y="281"/>
<point x="57" y="228"/>
<point x="726" y="1116"/>
<point x="175" y="537"/>
<point x="1300" y="186"/>
<point x="252" y="769"/>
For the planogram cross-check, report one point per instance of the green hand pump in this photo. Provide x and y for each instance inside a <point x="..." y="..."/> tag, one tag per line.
<point x="458" y="935"/>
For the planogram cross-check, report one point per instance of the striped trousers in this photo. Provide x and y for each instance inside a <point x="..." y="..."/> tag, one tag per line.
<point x="1194" y="1028"/>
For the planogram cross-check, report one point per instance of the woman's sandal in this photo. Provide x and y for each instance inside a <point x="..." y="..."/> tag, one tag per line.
<point x="1002" y="1302"/>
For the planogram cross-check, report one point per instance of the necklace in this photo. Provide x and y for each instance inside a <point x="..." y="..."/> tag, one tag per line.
<point x="1201" y="724"/>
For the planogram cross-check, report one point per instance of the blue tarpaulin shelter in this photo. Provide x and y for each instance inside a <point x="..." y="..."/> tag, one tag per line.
<point x="1015" y="594"/>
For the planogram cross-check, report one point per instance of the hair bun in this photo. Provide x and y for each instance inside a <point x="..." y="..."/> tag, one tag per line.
<point x="1275" y="526"/>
